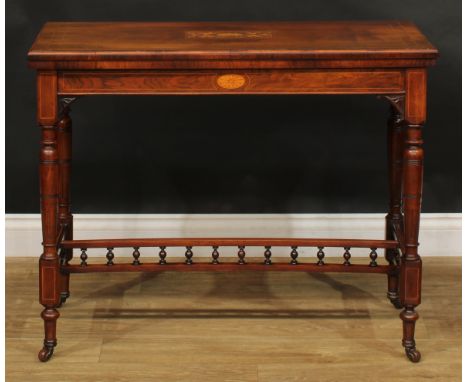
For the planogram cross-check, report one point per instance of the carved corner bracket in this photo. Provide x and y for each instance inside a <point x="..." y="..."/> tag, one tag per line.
<point x="397" y="103"/>
<point x="64" y="104"/>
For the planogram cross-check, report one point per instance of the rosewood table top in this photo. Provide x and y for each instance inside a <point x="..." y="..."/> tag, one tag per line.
<point x="258" y="41"/>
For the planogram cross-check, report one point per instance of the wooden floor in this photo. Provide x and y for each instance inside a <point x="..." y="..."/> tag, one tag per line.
<point x="248" y="326"/>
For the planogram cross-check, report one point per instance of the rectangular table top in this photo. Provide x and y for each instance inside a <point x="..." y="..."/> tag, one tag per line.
<point x="324" y="40"/>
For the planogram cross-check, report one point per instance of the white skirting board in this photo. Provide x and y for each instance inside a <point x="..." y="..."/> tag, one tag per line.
<point x="440" y="234"/>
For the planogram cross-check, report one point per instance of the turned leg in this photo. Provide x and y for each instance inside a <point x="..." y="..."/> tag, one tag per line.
<point x="411" y="266"/>
<point x="64" y="139"/>
<point x="394" y="216"/>
<point x="49" y="272"/>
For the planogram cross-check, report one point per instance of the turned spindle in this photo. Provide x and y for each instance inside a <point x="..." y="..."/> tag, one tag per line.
<point x="110" y="256"/>
<point x="347" y="256"/>
<point x="320" y="256"/>
<point x="294" y="256"/>
<point x="162" y="255"/>
<point x="373" y="257"/>
<point x="136" y="256"/>
<point x="83" y="257"/>
<point x="267" y="255"/>
<point x="241" y="254"/>
<point x="188" y="256"/>
<point x="215" y="255"/>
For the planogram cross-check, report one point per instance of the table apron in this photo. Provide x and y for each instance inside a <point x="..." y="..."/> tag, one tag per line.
<point x="232" y="82"/>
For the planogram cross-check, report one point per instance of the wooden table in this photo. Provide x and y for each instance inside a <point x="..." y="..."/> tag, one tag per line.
<point x="387" y="58"/>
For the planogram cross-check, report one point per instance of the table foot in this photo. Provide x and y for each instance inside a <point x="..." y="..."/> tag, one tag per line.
<point x="413" y="354"/>
<point x="46" y="352"/>
<point x="409" y="317"/>
<point x="50" y="316"/>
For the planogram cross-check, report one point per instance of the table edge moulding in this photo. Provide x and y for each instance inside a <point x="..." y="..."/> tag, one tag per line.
<point x="385" y="58"/>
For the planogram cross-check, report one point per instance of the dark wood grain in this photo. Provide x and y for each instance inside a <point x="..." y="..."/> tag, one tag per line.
<point x="64" y="148"/>
<point x="209" y="242"/>
<point x="81" y="41"/>
<point x="370" y="63"/>
<point x="242" y="45"/>
<point x="413" y="154"/>
<point x="49" y="273"/>
<point x="227" y="267"/>
<point x="394" y="216"/>
<point x="233" y="82"/>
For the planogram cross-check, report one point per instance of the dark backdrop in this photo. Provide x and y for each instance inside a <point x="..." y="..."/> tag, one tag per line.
<point x="229" y="153"/>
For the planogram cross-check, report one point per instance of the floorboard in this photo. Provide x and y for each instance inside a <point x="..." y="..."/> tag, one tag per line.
<point x="252" y="326"/>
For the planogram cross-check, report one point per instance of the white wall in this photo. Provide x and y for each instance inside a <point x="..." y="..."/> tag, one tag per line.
<point x="440" y="234"/>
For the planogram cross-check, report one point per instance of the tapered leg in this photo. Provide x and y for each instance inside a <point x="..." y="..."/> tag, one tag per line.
<point x="49" y="273"/>
<point x="64" y="139"/>
<point x="394" y="217"/>
<point x="411" y="266"/>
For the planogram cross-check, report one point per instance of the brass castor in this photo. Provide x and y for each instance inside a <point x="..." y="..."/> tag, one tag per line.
<point x="413" y="354"/>
<point x="45" y="353"/>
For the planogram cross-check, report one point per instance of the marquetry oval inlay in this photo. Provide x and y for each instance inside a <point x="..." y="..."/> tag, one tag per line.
<point x="228" y="35"/>
<point x="231" y="81"/>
